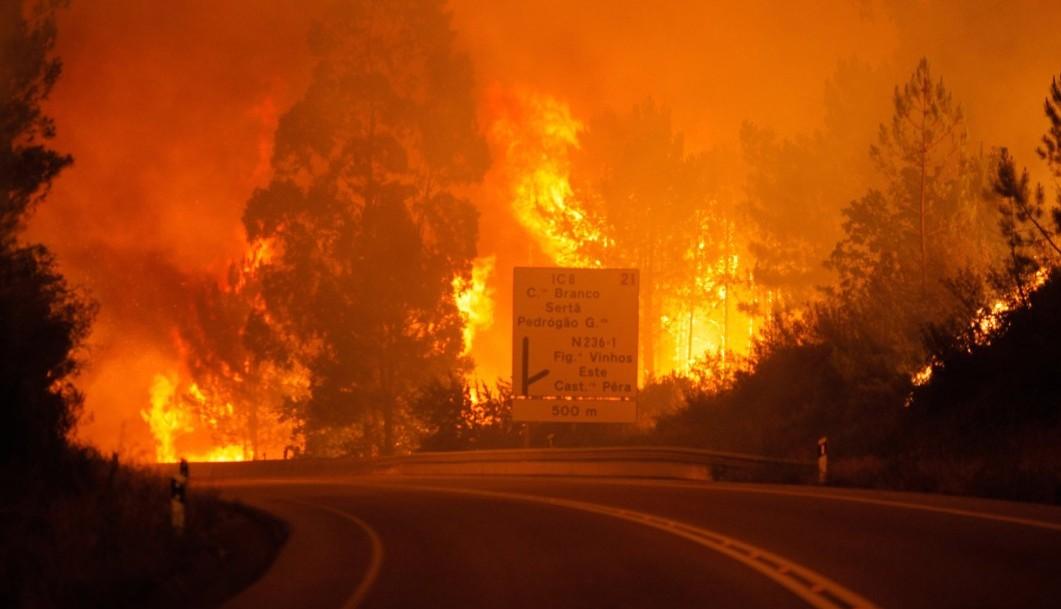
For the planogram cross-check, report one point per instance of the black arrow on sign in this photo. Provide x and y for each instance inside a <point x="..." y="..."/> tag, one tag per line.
<point x="529" y="380"/>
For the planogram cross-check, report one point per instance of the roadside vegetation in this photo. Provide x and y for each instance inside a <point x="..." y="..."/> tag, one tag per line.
<point x="792" y="287"/>
<point x="930" y="361"/>
<point x="97" y="534"/>
<point x="79" y="529"/>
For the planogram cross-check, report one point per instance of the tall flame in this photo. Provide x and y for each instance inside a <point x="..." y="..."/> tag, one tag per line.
<point x="164" y="420"/>
<point x="210" y="408"/>
<point x="474" y="299"/>
<point x="535" y="137"/>
<point x="536" y="142"/>
<point x="170" y="421"/>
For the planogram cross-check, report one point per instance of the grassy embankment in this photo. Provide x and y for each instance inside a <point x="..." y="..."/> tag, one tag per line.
<point x="94" y="532"/>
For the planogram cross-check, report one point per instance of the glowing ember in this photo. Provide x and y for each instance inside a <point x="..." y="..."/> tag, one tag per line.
<point x="989" y="319"/>
<point x="923" y="376"/>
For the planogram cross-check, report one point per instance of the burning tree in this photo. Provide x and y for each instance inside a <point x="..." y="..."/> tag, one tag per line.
<point x="637" y="184"/>
<point x="368" y="225"/>
<point x="903" y="245"/>
<point x="664" y="213"/>
<point x="625" y="192"/>
<point x="921" y="154"/>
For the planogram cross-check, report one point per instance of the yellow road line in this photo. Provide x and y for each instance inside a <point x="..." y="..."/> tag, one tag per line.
<point x="375" y="560"/>
<point x="817" y="590"/>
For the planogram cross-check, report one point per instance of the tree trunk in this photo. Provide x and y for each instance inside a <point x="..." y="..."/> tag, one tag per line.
<point x="648" y="334"/>
<point x="725" y="317"/>
<point x="921" y="189"/>
<point x="252" y="425"/>
<point x="924" y="258"/>
<point x="386" y="384"/>
<point x="650" y="321"/>
<point x="388" y="426"/>
<point x="689" y="347"/>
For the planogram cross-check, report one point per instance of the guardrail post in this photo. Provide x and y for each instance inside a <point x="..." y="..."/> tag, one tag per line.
<point x="823" y="460"/>
<point x="178" y="495"/>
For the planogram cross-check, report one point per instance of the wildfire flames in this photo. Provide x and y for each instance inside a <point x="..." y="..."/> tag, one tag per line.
<point x="536" y="140"/>
<point x="229" y="411"/>
<point x="218" y="410"/>
<point x="170" y="420"/>
<point x="535" y="136"/>
<point x="166" y="254"/>
<point x="474" y="299"/>
<point x="986" y="323"/>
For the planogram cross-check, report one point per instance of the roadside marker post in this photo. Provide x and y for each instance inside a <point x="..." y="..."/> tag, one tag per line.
<point x="823" y="460"/>
<point x="178" y="496"/>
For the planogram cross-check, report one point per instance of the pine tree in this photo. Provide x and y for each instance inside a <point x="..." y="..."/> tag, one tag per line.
<point x="904" y="243"/>
<point x="921" y="156"/>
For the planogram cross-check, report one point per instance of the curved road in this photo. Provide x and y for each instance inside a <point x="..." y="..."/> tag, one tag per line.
<point x="573" y="542"/>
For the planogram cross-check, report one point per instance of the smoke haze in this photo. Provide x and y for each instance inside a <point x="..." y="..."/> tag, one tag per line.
<point x="169" y="110"/>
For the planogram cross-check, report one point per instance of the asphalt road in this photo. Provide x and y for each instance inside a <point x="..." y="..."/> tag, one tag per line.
<point x="515" y="542"/>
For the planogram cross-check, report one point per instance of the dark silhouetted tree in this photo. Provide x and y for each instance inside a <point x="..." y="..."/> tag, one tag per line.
<point x="1032" y="242"/>
<point x="1021" y="223"/>
<point x="27" y="74"/>
<point x="456" y="416"/>
<point x="1050" y="149"/>
<point x="364" y="213"/>
<point x="42" y="320"/>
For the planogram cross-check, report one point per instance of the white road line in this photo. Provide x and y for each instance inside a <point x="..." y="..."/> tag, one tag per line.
<point x="817" y="590"/>
<point x="375" y="560"/>
<point x="716" y="487"/>
<point x="1028" y="522"/>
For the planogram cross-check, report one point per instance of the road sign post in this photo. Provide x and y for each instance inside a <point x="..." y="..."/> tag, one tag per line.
<point x="574" y="343"/>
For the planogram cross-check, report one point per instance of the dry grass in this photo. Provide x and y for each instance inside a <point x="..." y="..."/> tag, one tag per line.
<point x="100" y="536"/>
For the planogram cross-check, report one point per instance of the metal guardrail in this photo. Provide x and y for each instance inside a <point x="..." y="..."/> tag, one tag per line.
<point x="635" y="461"/>
<point x="714" y="465"/>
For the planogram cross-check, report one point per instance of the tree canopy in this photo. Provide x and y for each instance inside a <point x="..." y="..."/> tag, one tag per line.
<point x="42" y="319"/>
<point x="366" y="215"/>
